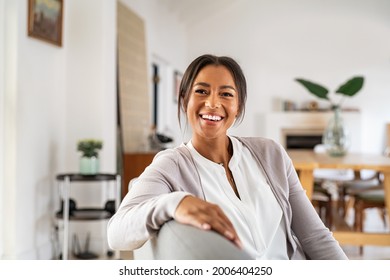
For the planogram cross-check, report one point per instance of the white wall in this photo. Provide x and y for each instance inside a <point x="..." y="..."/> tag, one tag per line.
<point x="2" y="129"/>
<point x="10" y="55"/>
<point x="278" y="41"/>
<point x="325" y="41"/>
<point x="53" y="97"/>
<point x="34" y="113"/>
<point x="90" y="78"/>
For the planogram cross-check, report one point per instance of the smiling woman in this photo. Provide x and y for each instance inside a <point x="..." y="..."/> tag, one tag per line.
<point x="222" y="183"/>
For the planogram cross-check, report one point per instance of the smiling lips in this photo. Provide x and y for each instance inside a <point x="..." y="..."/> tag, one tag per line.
<point x="211" y="117"/>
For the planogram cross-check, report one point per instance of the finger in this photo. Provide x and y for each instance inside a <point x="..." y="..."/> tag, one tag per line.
<point x="228" y="233"/>
<point x="222" y="225"/>
<point x="207" y="222"/>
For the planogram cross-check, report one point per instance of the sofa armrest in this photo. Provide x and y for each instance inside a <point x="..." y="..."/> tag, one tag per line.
<point x="176" y="241"/>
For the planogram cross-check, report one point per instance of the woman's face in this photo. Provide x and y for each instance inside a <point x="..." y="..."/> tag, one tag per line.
<point x="213" y="104"/>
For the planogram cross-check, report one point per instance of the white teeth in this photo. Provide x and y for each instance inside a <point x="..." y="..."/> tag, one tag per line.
<point x="211" y="118"/>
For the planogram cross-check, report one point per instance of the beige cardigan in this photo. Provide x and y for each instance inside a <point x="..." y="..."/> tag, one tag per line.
<point x="152" y="201"/>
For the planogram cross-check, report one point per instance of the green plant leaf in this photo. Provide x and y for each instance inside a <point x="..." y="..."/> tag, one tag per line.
<point x="351" y="87"/>
<point x="89" y="147"/>
<point x="314" y="88"/>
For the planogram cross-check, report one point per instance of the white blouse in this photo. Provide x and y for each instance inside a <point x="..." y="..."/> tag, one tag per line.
<point x="256" y="215"/>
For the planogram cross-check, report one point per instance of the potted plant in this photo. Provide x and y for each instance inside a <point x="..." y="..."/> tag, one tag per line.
<point x="335" y="137"/>
<point x="89" y="161"/>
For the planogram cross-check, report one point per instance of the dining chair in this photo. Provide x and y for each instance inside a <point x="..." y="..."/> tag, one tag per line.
<point x="365" y="200"/>
<point x="322" y="201"/>
<point x="365" y="192"/>
<point x="364" y="181"/>
<point x="326" y="189"/>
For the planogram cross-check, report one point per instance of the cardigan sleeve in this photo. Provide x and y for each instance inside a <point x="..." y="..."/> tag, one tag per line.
<point x="315" y="238"/>
<point x="150" y="202"/>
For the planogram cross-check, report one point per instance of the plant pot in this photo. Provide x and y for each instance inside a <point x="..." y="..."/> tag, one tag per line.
<point x="89" y="165"/>
<point x="335" y="137"/>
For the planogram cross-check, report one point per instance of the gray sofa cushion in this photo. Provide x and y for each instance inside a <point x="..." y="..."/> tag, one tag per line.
<point x="176" y="241"/>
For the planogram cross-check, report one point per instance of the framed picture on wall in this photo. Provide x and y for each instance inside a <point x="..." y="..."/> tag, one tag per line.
<point x="45" y="20"/>
<point x="176" y="85"/>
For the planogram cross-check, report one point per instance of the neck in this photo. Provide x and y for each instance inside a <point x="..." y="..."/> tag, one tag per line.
<point x="217" y="150"/>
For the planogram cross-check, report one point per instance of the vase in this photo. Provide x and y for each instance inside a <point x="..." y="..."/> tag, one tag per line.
<point x="335" y="137"/>
<point x="89" y="165"/>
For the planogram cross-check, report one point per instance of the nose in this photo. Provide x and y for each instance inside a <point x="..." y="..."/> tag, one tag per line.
<point x="212" y="102"/>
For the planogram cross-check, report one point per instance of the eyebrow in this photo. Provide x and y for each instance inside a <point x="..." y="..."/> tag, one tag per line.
<point x="221" y="87"/>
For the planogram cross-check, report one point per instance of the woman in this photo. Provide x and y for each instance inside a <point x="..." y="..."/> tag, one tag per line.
<point x="245" y="189"/>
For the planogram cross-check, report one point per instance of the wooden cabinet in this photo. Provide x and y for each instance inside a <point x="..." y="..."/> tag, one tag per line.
<point x="133" y="165"/>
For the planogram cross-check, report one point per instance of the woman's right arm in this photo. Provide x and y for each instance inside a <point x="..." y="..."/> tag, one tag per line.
<point x="151" y="201"/>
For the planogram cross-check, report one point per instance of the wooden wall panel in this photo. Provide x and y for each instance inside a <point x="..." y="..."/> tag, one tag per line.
<point x="132" y="79"/>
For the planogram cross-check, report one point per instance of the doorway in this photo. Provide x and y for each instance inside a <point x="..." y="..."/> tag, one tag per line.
<point x="160" y="100"/>
<point x="164" y="99"/>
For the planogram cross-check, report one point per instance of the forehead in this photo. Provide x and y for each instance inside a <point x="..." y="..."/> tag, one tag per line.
<point x="213" y="73"/>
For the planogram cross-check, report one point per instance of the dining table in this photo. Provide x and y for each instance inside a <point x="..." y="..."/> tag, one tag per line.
<point x="307" y="161"/>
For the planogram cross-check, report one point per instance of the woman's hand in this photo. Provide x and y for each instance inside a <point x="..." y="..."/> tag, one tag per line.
<point x="204" y="215"/>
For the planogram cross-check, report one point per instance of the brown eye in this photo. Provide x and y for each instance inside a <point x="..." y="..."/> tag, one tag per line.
<point x="201" y="91"/>
<point x="227" y="94"/>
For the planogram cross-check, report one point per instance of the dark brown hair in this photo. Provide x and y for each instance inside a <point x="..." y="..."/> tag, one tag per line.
<point x="197" y="65"/>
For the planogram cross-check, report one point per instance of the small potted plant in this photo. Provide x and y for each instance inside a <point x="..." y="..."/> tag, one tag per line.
<point x="89" y="162"/>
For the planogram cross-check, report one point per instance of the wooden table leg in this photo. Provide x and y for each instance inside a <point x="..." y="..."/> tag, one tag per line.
<point x="386" y="184"/>
<point x="307" y="180"/>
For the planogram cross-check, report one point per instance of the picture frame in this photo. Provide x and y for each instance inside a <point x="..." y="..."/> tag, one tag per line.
<point x="176" y="85"/>
<point x="45" y="20"/>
